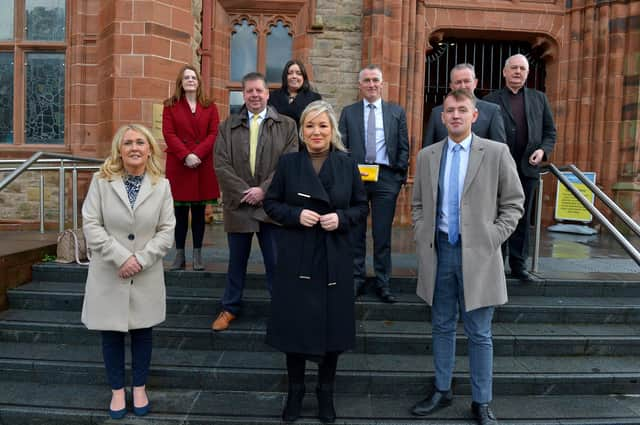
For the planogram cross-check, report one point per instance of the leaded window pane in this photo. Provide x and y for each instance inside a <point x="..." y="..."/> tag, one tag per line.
<point x="44" y="121"/>
<point x="45" y="20"/>
<point x="279" y="43"/>
<point x="244" y="50"/>
<point x="6" y="97"/>
<point x="6" y="20"/>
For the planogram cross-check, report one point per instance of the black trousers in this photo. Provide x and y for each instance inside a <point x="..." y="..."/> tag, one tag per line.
<point x="518" y="242"/>
<point x="327" y="365"/>
<point x="382" y="196"/>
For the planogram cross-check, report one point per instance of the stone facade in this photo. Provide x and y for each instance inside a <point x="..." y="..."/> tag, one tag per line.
<point x="123" y="56"/>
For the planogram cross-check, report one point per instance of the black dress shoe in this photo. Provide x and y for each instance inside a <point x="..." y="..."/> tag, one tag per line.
<point x="435" y="401"/>
<point x="483" y="414"/>
<point x="521" y="274"/>
<point x="386" y="295"/>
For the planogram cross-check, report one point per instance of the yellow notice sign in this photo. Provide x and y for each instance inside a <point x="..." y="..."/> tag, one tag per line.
<point x="156" y="128"/>
<point x="567" y="206"/>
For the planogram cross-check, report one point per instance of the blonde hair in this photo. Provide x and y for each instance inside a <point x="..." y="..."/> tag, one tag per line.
<point x="114" y="166"/>
<point x="313" y="110"/>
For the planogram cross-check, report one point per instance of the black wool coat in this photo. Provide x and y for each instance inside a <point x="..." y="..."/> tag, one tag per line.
<point x="312" y="300"/>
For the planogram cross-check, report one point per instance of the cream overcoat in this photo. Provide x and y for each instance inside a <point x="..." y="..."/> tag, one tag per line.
<point x="114" y="231"/>
<point x="490" y="207"/>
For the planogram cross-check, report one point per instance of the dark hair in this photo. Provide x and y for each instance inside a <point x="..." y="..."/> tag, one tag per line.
<point x="462" y="94"/>
<point x="201" y="98"/>
<point x="303" y="70"/>
<point x="254" y="76"/>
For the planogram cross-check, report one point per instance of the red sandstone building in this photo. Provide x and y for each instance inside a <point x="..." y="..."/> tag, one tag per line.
<point x="72" y="71"/>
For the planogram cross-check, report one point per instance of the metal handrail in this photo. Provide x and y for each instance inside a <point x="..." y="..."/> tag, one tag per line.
<point x="55" y="157"/>
<point x="622" y="240"/>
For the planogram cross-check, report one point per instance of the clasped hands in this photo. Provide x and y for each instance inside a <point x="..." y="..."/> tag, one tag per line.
<point x="129" y="268"/>
<point x="192" y="160"/>
<point x="253" y="196"/>
<point x="328" y="222"/>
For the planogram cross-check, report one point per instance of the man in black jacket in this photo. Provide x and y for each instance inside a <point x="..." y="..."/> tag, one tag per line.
<point x="489" y="124"/>
<point x="531" y="136"/>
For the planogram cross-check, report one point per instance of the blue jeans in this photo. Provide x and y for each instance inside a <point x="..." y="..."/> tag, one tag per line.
<point x="448" y="302"/>
<point x="113" y="353"/>
<point x="239" y="251"/>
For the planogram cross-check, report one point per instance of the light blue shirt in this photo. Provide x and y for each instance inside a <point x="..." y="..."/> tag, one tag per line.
<point x="381" y="147"/>
<point x="261" y="116"/>
<point x="465" y="148"/>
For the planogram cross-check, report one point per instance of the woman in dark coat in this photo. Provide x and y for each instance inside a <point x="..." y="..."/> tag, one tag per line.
<point x="295" y="93"/>
<point x="317" y="196"/>
<point x="189" y="126"/>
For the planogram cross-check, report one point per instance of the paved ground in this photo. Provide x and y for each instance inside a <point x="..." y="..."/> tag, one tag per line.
<point x="562" y="255"/>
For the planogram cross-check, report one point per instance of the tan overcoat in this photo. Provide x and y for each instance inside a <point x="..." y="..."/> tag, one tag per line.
<point x="490" y="207"/>
<point x="277" y="136"/>
<point x="114" y="231"/>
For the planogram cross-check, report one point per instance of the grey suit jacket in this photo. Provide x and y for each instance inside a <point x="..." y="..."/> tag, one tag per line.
<point x="490" y="207"/>
<point x="395" y="134"/>
<point x="489" y="124"/>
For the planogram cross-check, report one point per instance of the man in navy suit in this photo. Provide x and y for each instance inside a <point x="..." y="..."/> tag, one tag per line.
<point x="489" y="124"/>
<point x="531" y="136"/>
<point x="375" y="132"/>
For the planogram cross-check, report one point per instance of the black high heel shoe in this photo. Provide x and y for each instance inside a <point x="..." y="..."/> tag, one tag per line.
<point x="293" y="407"/>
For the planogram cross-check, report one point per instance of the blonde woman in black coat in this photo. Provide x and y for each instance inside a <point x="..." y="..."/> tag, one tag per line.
<point x="317" y="196"/>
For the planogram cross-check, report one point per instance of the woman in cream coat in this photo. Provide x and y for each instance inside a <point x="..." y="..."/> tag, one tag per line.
<point x="128" y="222"/>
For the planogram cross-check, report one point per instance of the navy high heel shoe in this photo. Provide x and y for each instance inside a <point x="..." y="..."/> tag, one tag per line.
<point x="117" y="414"/>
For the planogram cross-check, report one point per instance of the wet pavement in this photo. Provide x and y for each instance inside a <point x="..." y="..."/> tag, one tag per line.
<point x="562" y="255"/>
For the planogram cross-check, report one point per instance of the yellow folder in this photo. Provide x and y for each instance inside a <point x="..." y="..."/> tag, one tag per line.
<point x="369" y="172"/>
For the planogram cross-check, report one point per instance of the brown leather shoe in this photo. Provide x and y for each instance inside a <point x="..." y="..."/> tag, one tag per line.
<point x="222" y="321"/>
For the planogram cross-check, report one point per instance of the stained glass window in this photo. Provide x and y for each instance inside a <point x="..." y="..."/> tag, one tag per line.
<point x="6" y="20"/>
<point x="279" y="43"/>
<point x="244" y="50"/>
<point x="6" y="97"/>
<point x="44" y="121"/>
<point x="45" y="20"/>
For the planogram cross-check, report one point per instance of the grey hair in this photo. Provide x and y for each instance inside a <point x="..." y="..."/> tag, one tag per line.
<point x="460" y="67"/>
<point x="313" y="110"/>
<point x="370" y="67"/>
<point x="506" y="63"/>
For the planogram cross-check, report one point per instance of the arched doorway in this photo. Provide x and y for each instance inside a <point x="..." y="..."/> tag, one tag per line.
<point x="487" y="56"/>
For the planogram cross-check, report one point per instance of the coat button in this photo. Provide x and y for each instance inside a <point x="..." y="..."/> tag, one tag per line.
<point x="131" y="236"/>
<point x="197" y="142"/>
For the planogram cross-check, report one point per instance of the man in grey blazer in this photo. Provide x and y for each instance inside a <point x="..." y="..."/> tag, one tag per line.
<point x="375" y="133"/>
<point x="489" y="123"/>
<point x="531" y="136"/>
<point x="467" y="200"/>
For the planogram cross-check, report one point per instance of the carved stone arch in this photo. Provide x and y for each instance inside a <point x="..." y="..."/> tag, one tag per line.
<point x="237" y="20"/>
<point x="272" y="21"/>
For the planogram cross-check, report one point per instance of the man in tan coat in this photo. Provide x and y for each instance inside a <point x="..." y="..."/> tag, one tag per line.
<point x="247" y="150"/>
<point x="467" y="200"/>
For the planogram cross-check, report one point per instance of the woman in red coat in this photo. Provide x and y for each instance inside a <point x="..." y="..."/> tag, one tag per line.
<point x="189" y="125"/>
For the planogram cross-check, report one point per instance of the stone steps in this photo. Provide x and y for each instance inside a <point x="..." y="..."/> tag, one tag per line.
<point x="565" y="353"/>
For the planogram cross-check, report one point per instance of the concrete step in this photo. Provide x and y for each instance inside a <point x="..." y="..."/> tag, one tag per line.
<point x="357" y="373"/>
<point x="207" y="279"/>
<point x="205" y="301"/>
<point x="23" y="403"/>
<point x="373" y="336"/>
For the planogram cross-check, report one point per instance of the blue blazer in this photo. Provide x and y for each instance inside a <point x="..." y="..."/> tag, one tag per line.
<point x="395" y="134"/>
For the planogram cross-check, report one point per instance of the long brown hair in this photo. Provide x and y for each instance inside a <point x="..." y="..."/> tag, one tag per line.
<point x="178" y="94"/>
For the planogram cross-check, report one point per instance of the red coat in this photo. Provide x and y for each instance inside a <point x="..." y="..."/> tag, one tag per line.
<point x="185" y="133"/>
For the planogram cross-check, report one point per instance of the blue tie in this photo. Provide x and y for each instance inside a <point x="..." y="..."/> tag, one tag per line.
<point x="454" y="203"/>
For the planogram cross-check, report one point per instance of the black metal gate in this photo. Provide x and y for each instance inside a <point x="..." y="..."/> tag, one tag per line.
<point x="486" y="56"/>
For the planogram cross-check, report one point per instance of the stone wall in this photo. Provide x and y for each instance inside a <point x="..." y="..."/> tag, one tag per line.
<point x="336" y="54"/>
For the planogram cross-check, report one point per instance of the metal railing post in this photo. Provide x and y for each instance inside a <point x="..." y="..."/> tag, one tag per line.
<point x="74" y="196"/>
<point x="61" y="191"/>
<point x="41" y="202"/>
<point x="536" y="243"/>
